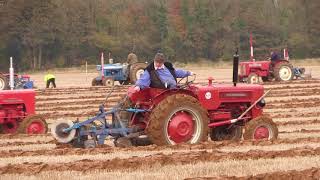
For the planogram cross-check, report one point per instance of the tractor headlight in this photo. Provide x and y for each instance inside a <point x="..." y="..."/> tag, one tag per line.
<point x="261" y="103"/>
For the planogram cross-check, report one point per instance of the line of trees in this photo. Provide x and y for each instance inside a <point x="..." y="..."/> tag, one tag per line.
<point x="61" y="33"/>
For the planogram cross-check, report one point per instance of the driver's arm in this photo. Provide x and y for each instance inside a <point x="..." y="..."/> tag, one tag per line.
<point x="182" y="73"/>
<point x="144" y="80"/>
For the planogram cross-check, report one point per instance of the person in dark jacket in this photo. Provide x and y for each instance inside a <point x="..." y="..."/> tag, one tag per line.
<point x="160" y="74"/>
<point x="274" y="56"/>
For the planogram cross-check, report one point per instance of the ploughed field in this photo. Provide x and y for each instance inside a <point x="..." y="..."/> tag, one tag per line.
<point x="294" y="106"/>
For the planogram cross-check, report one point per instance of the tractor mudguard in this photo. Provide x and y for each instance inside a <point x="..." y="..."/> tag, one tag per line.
<point x="169" y="92"/>
<point x="157" y="95"/>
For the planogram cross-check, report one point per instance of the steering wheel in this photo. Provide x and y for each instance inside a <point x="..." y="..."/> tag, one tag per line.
<point x="187" y="82"/>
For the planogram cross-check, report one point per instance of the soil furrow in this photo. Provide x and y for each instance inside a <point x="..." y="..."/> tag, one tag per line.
<point x="87" y="165"/>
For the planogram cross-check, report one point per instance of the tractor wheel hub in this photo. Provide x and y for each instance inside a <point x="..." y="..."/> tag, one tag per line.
<point x="35" y="128"/>
<point x="180" y="127"/>
<point x="10" y="126"/>
<point x="261" y="133"/>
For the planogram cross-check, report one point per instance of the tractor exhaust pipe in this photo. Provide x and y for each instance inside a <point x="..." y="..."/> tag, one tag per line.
<point x="251" y="49"/>
<point x="11" y="74"/>
<point x="235" y="68"/>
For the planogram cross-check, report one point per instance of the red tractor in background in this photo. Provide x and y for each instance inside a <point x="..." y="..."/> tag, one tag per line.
<point x="17" y="107"/>
<point x="279" y="69"/>
<point x="17" y="113"/>
<point x="186" y="114"/>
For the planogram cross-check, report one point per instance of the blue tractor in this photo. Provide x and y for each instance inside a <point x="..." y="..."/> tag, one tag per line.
<point x="124" y="73"/>
<point x="20" y="82"/>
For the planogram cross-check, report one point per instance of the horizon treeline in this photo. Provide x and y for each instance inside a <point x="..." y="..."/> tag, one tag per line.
<point x="62" y="33"/>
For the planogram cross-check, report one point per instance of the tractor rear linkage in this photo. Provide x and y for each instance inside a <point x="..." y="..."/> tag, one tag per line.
<point x="79" y="131"/>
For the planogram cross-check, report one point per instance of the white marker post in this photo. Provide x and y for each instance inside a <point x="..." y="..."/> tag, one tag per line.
<point x="11" y="74"/>
<point x="86" y="71"/>
<point x="102" y="67"/>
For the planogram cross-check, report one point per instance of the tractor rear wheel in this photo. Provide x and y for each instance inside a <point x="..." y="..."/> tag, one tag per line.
<point x="178" y="118"/>
<point x="253" y="78"/>
<point x="34" y="124"/>
<point x="135" y="71"/>
<point x="283" y="71"/>
<point x="3" y="83"/>
<point x="261" y="128"/>
<point x="226" y="133"/>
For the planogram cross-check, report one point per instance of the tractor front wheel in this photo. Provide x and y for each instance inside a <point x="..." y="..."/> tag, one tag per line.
<point x="34" y="124"/>
<point x="253" y="78"/>
<point x="178" y="118"/>
<point x="261" y="128"/>
<point x="226" y="133"/>
<point x="10" y="126"/>
<point x="109" y="82"/>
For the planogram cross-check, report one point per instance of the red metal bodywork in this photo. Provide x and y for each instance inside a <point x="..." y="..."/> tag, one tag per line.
<point x="15" y="105"/>
<point x="261" y="68"/>
<point x="223" y="102"/>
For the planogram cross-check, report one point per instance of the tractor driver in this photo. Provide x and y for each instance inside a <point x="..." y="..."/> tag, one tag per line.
<point x="274" y="56"/>
<point x="160" y="74"/>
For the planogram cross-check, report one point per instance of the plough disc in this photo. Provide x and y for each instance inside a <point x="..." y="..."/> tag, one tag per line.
<point x="58" y="133"/>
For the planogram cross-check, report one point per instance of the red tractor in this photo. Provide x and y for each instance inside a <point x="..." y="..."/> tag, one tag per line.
<point x="186" y="114"/>
<point x="17" y="113"/>
<point x="252" y="71"/>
